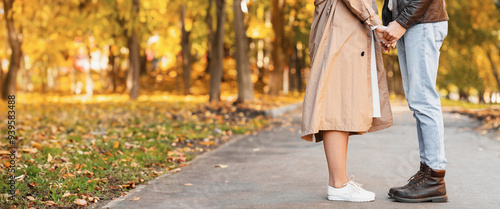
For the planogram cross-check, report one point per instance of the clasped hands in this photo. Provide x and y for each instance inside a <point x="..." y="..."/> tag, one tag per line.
<point x="389" y="35"/>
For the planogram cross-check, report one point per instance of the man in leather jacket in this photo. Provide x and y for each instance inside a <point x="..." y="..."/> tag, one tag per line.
<point x="420" y="27"/>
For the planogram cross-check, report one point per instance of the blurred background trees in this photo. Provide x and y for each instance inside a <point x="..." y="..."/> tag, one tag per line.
<point x="214" y="47"/>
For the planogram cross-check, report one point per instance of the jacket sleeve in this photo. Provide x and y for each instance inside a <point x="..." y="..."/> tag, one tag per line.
<point x="414" y="11"/>
<point x="364" y="11"/>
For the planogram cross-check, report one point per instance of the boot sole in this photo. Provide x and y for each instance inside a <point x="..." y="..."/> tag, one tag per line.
<point x="390" y="195"/>
<point x="427" y="199"/>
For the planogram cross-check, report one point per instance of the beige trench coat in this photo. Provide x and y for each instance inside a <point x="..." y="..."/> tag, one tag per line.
<point x="338" y="93"/>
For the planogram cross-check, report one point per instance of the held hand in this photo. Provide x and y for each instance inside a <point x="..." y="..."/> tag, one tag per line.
<point x="394" y="32"/>
<point x="386" y="48"/>
<point x="386" y="45"/>
<point x="379" y="31"/>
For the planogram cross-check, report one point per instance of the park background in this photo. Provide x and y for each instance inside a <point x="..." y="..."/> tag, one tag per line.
<point x="142" y="86"/>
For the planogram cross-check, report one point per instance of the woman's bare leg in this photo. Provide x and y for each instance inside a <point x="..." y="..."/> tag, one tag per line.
<point x="335" y="144"/>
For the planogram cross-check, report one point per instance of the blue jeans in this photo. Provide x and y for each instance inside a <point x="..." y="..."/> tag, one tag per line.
<point x="418" y="52"/>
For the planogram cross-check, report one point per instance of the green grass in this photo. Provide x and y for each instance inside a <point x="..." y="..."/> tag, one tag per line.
<point x="466" y="105"/>
<point x="400" y="100"/>
<point x="103" y="149"/>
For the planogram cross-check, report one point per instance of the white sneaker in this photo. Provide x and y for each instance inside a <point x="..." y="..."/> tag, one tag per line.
<point x="351" y="192"/>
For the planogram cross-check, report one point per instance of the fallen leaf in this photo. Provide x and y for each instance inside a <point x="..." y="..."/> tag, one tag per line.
<point x="80" y="202"/>
<point x="129" y="146"/>
<point x="116" y="144"/>
<point x="88" y="173"/>
<point x="30" y="198"/>
<point x="49" y="159"/>
<point x="50" y="203"/>
<point x="188" y="184"/>
<point x="68" y="175"/>
<point x="207" y="143"/>
<point x="20" y="177"/>
<point x="135" y="199"/>
<point x="29" y="150"/>
<point x="98" y="180"/>
<point x="32" y="184"/>
<point x="182" y="165"/>
<point x="67" y="194"/>
<point x="220" y="166"/>
<point x="37" y="145"/>
<point x="4" y="152"/>
<point x="256" y="149"/>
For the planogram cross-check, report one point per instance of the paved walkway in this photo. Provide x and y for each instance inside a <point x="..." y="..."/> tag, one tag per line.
<point x="277" y="169"/>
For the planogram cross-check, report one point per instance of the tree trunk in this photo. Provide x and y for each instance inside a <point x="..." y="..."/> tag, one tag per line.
<point x="295" y="72"/>
<point x="260" y="65"/>
<point x="276" y="82"/>
<point x="25" y="76"/>
<point x="186" y="54"/>
<point x="493" y="69"/>
<point x="130" y="70"/>
<point x="463" y="95"/>
<point x="244" y="76"/>
<point x="15" y="42"/>
<point x="143" y="60"/>
<point x="481" y="96"/>
<point x="298" y="68"/>
<point x="209" y="21"/>
<point x="72" y="78"/>
<point x="218" y="49"/>
<point x="1" y="73"/>
<point x="134" y="59"/>
<point x="113" y="62"/>
<point x="89" y="83"/>
<point x="178" y="71"/>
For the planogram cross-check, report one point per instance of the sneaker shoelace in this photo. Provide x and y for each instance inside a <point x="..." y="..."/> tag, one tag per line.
<point x="355" y="186"/>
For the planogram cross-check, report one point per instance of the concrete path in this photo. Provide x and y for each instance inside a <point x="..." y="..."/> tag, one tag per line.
<point x="277" y="169"/>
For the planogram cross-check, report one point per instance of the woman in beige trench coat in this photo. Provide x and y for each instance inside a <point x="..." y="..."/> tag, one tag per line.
<point x="346" y="93"/>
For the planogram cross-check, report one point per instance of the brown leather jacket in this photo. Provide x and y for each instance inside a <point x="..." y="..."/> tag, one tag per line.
<point x="411" y="12"/>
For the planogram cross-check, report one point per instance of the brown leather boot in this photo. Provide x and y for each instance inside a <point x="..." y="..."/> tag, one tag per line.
<point x="411" y="181"/>
<point x="430" y="187"/>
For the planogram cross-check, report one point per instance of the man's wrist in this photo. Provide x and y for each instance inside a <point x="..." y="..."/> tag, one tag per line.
<point x="403" y="21"/>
